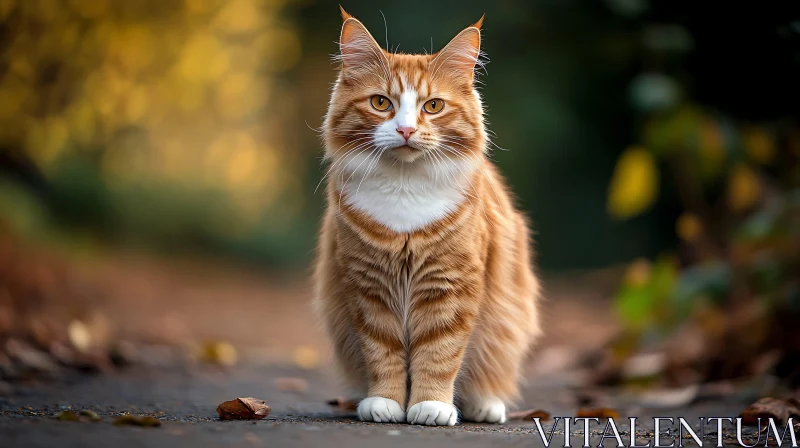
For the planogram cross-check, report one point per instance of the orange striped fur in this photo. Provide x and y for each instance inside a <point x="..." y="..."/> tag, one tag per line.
<point x="423" y="276"/>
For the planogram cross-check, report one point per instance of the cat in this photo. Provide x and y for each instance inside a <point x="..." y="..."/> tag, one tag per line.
<point x="423" y="277"/>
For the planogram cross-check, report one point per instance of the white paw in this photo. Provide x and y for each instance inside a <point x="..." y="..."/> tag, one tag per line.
<point x="432" y="413"/>
<point x="380" y="410"/>
<point x="489" y="410"/>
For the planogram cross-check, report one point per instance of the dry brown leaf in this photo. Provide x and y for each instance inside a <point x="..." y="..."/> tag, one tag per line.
<point x="243" y="409"/>
<point x="343" y="404"/>
<point x="291" y="384"/>
<point x="769" y="407"/>
<point x="89" y="414"/>
<point x="598" y="413"/>
<point x="135" y="420"/>
<point x="529" y="414"/>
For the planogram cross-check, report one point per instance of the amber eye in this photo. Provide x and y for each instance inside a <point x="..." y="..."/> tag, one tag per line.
<point x="434" y="106"/>
<point x="381" y="103"/>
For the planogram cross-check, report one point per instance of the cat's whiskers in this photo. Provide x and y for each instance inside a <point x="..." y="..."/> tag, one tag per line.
<point x="467" y="195"/>
<point x="338" y="161"/>
<point x="488" y="181"/>
<point x="467" y="177"/>
<point x="377" y="156"/>
<point x="344" y="185"/>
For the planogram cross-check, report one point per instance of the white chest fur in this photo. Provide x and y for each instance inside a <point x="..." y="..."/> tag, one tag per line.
<point x="407" y="197"/>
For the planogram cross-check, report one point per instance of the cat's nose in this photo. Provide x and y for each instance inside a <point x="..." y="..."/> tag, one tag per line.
<point x="406" y="131"/>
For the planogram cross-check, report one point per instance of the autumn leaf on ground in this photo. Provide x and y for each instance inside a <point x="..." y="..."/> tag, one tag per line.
<point x="598" y="413"/>
<point x="342" y="404"/>
<point x="90" y="415"/>
<point x="769" y="407"/>
<point x="243" y="409"/>
<point x="136" y="420"/>
<point x="529" y="414"/>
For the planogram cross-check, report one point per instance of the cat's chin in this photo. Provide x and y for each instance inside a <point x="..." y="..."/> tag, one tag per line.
<point x="405" y="154"/>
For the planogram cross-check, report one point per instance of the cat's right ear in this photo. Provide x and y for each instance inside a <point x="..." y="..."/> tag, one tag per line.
<point x="357" y="46"/>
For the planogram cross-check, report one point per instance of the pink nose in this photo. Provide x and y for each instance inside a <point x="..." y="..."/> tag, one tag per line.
<point x="406" y="131"/>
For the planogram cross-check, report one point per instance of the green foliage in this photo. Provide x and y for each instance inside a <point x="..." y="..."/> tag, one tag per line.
<point x="740" y="231"/>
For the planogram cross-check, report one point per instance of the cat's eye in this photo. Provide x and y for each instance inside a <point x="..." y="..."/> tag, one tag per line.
<point x="381" y="103"/>
<point x="433" y="106"/>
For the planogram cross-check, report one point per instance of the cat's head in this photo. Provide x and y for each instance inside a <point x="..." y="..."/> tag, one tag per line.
<point x="405" y="109"/>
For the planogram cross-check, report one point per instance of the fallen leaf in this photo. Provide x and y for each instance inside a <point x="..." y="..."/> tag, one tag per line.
<point x="243" y="409"/>
<point x="343" y="404"/>
<point x="90" y="414"/>
<point x="306" y="357"/>
<point x="67" y="416"/>
<point x="769" y="407"/>
<point x="221" y="353"/>
<point x="291" y="384"/>
<point x="135" y="420"/>
<point x="598" y="413"/>
<point x="529" y="414"/>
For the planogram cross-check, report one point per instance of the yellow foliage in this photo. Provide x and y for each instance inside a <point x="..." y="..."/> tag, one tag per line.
<point x="46" y="140"/>
<point x="82" y="122"/>
<point x="239" y="17"/>
<point x="194" y="65"/>
<point x="43" y="10"/>
<point x="759" y="145"/>
<point x="634" y="184"/>
<point x="13" y="95"/>
<point x="89" y="9"/>
<point x="280" y="48"/>
<point x="133" y="46"/>
<point x="744" y="188"/>
<point x="136" y="104"/>
<point x="688" y="227"/>
<point x="199" y="71"/>
<point x="6" y="6"/>
<point x="711" y="147"/>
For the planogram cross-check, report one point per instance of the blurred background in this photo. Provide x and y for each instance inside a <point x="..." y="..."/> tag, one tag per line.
<point x="158" y="167"/>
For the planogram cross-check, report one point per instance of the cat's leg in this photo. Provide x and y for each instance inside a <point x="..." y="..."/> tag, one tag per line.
<point x="385" y="360"/>
<point x="347" y="347"/>
<point x="439" y="329"/>
<point x="492" y="367"/>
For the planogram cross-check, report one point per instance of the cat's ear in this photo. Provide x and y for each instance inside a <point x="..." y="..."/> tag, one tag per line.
<point x="357" y="46"/>
<point x="460" y="56"/>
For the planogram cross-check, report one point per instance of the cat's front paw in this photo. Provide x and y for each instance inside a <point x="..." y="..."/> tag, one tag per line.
<point x="489" y="410"/>
<point x="432" y="413"/>
<point x="380" y="410"/>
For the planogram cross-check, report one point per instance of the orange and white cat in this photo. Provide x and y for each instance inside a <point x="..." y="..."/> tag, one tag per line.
<point x="423" y="275"/>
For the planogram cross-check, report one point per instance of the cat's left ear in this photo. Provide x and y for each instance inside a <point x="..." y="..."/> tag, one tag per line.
<point x="357" y="46"/>
<point x="460" y="56"/>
